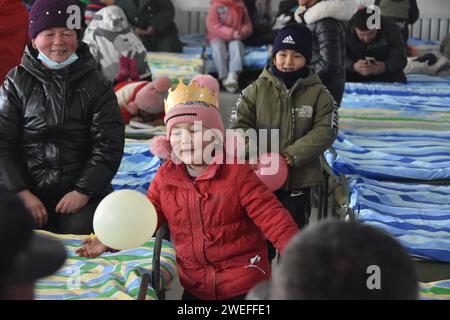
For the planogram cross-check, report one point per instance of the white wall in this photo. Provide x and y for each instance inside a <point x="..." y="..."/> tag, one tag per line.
<point x="426" y="7"/>
<point x="183" y="4"/>
<point x="434" y="7"/>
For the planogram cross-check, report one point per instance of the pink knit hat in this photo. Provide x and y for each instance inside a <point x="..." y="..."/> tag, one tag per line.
<point x="190" y="112"/>
<point x="208" y="115"/>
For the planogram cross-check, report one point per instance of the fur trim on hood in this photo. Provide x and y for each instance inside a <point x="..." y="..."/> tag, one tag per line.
<point x="341" y="10"/>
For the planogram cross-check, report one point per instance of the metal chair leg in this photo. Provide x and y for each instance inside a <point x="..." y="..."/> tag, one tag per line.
<point x="325" y="194"/>
<point x="145" y="281"/>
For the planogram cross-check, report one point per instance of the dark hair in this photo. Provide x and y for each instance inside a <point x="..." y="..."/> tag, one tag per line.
<point x="332" y="260"/>
<point x="360" y="19"/>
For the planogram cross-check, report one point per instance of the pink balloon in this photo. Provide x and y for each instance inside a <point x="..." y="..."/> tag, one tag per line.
<point x="272" y="170"/>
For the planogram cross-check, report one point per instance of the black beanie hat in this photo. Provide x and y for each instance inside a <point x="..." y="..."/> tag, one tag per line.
<point x="294" y="37"/>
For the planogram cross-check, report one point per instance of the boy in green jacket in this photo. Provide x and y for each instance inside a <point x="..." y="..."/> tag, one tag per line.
<point x="290" y="97"/>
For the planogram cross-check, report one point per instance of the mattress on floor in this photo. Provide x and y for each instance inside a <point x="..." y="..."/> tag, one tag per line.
<point x="137" y="168"/>
<point x="110" y="276"/>
<point x="418" y="215"/>
<point x="395" y="131"/>
<point x="439" y="290"/>
<point x="175" y="65"/>
<point x="419" y="47"/>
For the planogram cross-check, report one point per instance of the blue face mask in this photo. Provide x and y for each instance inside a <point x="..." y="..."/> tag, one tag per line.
<point x="55" y="65"/>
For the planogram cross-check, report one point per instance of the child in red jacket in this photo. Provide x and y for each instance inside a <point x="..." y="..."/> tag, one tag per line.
<point x="228" y="23"/>
<point x="13" y="35"/>
<point x="218" y="214"/>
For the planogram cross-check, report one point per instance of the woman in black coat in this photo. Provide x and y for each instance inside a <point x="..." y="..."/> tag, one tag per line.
<point x="61" y="132"/>
<point x="327" y="22"/>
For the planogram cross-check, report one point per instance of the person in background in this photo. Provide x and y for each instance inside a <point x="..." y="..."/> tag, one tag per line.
<point x="228" y="23"/>
<point x="403" y="12"/>
<point x="119" y="52"/>
<point x="374" y="55"/>
<point x="153" y="22"/>
<point x="13" y="34"/>
<point x="285" y="14"/>
<point x="61" y="131"/>
<point x="327" y="22"/>
<point x="433" y="64"/>
<point x="93" y="6"/>
<point x="260" y="15"/>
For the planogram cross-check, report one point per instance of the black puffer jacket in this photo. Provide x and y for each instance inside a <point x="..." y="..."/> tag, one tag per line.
<point x="327" y="22"/>
<point x="60" y="130"/>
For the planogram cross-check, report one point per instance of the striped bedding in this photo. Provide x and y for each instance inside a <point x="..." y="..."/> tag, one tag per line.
<point x="439" y="290"/>
<point x="418" y="215"/>
<point x="255" y="58"/>
<point x="138" y="167"/>
<point x="395" y="131"/>
<point x="110" y="276"/>
<point x="394" y="146"/>
<point x="175" y="65"/>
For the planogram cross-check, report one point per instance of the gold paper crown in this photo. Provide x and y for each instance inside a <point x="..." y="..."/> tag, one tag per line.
<point x="192" y="92"/>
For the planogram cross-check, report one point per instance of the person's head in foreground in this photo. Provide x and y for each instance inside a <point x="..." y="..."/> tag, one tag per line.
<point x="344" y="260"/>
<point x="53" y="32"/>
<point x="25" y="256"/>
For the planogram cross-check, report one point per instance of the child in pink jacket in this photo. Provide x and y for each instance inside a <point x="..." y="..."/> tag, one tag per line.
<point x="228" y="23"/>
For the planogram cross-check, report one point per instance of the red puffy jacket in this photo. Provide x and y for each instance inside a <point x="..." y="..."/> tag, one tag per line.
<point x="13" y="34"/>
<point x="218" y="223"/>
<point x="225" y="17"/>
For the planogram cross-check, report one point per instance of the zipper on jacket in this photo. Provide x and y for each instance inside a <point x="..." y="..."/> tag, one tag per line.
<point x="62" y="127"/>
<point x="253" y="262"/>
<point x="208" y="266"/>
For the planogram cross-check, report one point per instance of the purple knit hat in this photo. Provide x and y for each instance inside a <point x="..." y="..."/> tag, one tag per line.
<point x="47" y="14"/>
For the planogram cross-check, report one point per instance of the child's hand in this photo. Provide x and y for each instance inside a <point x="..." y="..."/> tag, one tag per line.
<point x="92" y="247"/>
<point x="140" y="32"/>
<point x="150" y="31"/>
<point x="237" y="35"/>
<point x="289" y="161"/>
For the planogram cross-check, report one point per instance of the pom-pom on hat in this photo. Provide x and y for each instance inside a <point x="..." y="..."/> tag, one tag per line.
<point x="196" y="102"/>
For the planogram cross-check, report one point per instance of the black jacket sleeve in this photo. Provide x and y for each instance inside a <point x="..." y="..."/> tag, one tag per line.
<point x="414" y="12"/>
<point x="330" y="38"/>
<point x="397" y="57"/>
<point x="12" y="174"/>
<point x="164" y="17"/>
<point x="107" y="132"/>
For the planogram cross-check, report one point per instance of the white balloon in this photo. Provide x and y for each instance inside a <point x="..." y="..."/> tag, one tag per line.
<point x="125" y="219"/>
